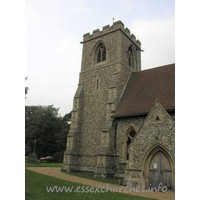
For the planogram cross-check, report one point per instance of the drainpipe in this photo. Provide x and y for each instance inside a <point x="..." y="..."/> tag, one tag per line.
<point x="115" y="142"/>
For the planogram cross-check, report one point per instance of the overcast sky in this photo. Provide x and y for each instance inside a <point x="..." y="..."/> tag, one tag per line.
<point x="54" y="30"/>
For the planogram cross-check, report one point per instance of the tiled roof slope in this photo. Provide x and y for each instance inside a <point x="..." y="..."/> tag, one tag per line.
<point x="146" y="86"/>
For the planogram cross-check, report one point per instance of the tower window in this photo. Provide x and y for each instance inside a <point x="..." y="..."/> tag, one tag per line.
<point x="101" y="53"/>
<point x="97" y="84"/>
<point x="130" y="57"/>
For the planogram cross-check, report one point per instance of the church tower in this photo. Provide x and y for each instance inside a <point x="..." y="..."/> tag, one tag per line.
<point x="109" y="57"/>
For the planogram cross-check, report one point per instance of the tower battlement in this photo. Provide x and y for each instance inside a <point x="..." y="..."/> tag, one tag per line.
<point x="118" y="25"/>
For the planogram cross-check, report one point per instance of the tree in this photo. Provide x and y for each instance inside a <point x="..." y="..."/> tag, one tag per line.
<point x="44" y="124"/>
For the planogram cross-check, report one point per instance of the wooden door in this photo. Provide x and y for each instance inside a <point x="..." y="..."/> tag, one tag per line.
<point x="160" y="171"/>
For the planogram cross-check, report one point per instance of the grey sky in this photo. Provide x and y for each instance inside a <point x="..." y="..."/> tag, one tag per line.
<point x="54" y="30"/>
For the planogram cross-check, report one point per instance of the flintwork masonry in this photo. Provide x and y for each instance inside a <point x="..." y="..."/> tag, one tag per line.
<point x="122" y="118"/>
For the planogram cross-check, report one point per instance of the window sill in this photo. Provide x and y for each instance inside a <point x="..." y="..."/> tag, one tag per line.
<point x="99" y="64"/>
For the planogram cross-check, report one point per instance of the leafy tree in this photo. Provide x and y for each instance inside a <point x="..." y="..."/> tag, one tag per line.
<point x="44" y="124"/>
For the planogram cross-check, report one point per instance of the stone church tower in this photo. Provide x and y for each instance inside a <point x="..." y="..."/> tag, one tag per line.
<point x="109" y="56"/>
<point x="123" y="118"/>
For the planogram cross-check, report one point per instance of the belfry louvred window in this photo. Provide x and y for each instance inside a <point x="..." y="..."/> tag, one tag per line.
<point x="101" y="53"/>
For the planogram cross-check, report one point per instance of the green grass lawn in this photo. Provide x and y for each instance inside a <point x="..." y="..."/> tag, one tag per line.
<point x="43" y="165"/>
<point x="87" y="176"/>
<point x="35" y="189"/>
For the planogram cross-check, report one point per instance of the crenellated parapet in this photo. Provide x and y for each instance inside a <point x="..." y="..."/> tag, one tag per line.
<point x="118" y="25"/>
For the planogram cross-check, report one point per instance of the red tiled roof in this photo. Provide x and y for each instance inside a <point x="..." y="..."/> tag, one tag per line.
<point x="146" y="86"/>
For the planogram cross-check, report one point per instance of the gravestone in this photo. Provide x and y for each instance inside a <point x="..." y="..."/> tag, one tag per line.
<point x="33" y="158"/>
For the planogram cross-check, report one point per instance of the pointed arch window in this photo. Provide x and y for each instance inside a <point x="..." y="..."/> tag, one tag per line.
<point x="128" y="142"/>
<point x="130" y="57"/>
<point x="130" y="134"/>
<point x="101" y="53"/>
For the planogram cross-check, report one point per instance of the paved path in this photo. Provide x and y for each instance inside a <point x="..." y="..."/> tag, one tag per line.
<point x="55" y="172"/>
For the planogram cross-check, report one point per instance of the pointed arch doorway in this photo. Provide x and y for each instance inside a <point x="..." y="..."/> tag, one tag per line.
<point x="159" y="168"/>
<point x="160" y="171"/>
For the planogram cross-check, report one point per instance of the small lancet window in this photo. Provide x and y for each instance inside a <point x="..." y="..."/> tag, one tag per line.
<point x="130" y="57"/>
<point x="97" y="84"/>
<point x="101" y="53"/>
<point x="128" y="138"/>
<point x="127" y="149"/>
